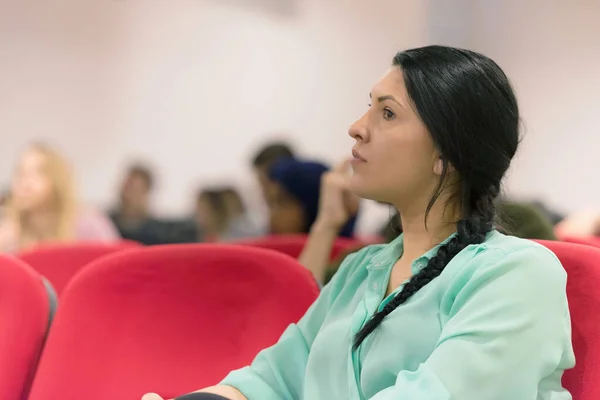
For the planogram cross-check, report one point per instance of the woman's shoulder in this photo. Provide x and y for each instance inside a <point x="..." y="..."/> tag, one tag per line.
<point x="93" y="224"/>
<point x="503" y="255"/>
<point x="501" y="245"/>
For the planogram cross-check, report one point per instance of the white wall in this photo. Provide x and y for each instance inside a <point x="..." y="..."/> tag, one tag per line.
<point x="193" y="86"/>
<point x="196" y="86"/>
<point x="57" y="82"/>
<point x="551" y="50"/>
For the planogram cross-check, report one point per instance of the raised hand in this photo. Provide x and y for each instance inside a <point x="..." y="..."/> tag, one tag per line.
<point x="336" y="203"/>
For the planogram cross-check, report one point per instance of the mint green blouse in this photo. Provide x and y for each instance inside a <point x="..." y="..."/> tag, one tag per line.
<point x="493" y="326"/>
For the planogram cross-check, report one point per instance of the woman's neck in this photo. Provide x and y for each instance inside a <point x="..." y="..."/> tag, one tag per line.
<point x="419" y="238"/>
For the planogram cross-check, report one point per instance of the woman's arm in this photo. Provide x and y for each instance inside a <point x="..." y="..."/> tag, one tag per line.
<point x="317" y="250"/>
<point x="336" y="206"/>
<point x="228" y="392"/>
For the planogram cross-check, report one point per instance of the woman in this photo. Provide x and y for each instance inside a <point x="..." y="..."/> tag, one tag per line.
<point x="43" y="207"/>
<point x="293" y="198"/>
<point x="451" y="309"/>
<point x="240" y="224"/>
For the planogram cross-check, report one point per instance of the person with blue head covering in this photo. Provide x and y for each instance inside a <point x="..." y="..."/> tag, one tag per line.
<point x="294" y="197"/>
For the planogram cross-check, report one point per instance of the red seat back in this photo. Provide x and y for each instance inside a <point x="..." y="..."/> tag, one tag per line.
<point x="292" y="245"/>
<point x="582" y="264"/>
<point x="60" y="262"/>
<point x="25" y="310"/>
<point x="587" y="240"/>
<point x="168" y="319"/>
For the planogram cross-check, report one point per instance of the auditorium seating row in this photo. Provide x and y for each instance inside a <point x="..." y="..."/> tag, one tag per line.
<point x="174" y="318"/>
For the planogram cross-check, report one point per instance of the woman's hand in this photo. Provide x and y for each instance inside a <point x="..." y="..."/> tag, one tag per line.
<point x="336" y="203"/>
<point x="152" y="396"/>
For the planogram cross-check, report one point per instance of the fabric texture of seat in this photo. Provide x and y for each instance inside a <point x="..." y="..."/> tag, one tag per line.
<point x="25" y="311"/>
<point x="593" y="241"/>
<point x="60" y="262"/>
<point x="582" y="264"/>
<point x="168" y="319"/>
<point x="292" y="245"/>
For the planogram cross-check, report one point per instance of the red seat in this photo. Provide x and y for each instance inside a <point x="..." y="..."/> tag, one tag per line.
<point x="582" y="264"/>
<point x="292" y="245"/>
<point x="593" y="241"/>
<point x="60" y="262"/>
<point x="168" y="319"/>
<point x="25" y="311"/>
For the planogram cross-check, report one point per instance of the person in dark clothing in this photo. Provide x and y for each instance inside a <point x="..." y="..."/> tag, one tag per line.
<point x="294" y="199"/>
<point x="132" y="214"/>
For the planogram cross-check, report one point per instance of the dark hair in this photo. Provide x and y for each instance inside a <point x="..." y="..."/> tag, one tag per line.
<point x="468" y="106"/>
<point x="271" y="153"/>
<point x="143" y="172"/>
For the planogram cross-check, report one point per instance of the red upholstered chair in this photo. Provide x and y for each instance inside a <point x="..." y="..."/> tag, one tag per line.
<point x="25" y="312"/>
<point x="60" y="262"/>
<point x="582" y="264"/>
<point x="292" y="245"/>
<point x="593" y="241"/>
<point x="168" y="319"/>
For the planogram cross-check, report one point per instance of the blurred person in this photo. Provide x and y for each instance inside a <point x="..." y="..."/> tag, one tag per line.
<point x="525" y="220"/>
<point x="4" y="200"/>
<point x="336" y="207"/>
<point x="240" y="225"/>
<point x="293" y="198"/>
<point x="132" y="215"/>
<point x="580" y="224"/>
<point x="452" y="308"/>
<point x="221" y="216"/>
<point x="211" y="215"/>
<point x="554" y="216"/>
<point x="265" y="158"/>
<point x="43" y="205"/>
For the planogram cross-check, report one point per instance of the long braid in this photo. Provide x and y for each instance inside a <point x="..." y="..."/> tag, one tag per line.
<point x="472" y="229"/>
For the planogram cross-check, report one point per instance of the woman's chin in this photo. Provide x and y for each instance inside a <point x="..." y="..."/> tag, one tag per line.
<point x="363" y="189"/>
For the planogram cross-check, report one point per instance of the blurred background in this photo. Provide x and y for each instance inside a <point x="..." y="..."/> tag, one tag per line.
<point x="190" y="90"/>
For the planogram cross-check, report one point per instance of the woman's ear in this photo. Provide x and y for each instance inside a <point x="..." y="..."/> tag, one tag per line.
<point x="438" y="166"/>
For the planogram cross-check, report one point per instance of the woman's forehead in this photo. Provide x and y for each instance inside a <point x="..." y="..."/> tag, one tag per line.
<point x="391" y="84"/>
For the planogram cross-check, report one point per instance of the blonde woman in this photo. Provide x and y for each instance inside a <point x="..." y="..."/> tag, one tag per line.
<point x="43" y="205"/>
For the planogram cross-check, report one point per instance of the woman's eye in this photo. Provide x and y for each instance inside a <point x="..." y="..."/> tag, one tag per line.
<point x="388" y="114"/>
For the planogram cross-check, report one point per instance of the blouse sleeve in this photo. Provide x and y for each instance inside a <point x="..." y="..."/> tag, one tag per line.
<point x="507" y="334"/>
<point x="277" y="372"/>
